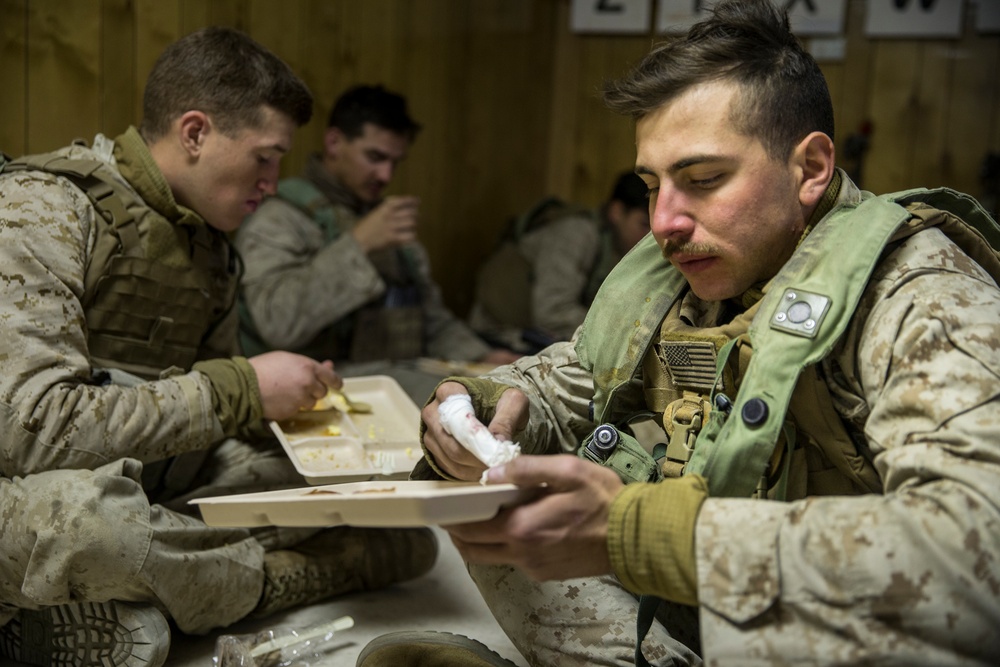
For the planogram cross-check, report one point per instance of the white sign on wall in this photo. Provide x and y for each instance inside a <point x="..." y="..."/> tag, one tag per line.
<point x="816" y="17"/>
<point x="808" y="17"/>
<point x="610" y="16"/>
<point x="987" y="15"/>
<point x="914" y="18"/>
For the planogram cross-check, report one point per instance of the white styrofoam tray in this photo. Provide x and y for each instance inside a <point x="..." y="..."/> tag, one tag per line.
<point x="330" y="446"/>
<point x="381" y="503"/>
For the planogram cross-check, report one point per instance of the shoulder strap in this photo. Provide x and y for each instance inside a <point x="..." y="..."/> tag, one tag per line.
<point x="614" y="337"/>
<point x="305" y="196"/>
<point x="103" y="192"/>
<point x="802" y="316"/>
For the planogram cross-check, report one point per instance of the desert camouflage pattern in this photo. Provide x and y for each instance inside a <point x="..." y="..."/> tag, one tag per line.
<point x="53" y="415"/>
<point x="560" y="257"/>
<point x="298" y="285"/>
<point x="906" y="577"/>
<point x="75" y="519"/>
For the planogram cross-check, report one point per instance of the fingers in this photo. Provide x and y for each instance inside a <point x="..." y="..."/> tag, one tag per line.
<point x="447" y="452"/>
<point x="329" y="377"/>
<point x="563" y="472"/>
<point x="511" y="415"/>
<point x="400" y="202"/>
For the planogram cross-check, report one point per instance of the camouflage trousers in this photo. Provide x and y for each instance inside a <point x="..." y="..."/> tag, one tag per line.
<point x="583" y="622"/>
<point x="71" y="535"/>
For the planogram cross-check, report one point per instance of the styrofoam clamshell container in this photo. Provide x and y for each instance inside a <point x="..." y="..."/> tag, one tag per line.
<point x="330" y="446"/>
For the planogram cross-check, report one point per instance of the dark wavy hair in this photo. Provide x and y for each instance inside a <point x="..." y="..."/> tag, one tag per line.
<point x="783" y="95"/>
<point x="375" y="105"/>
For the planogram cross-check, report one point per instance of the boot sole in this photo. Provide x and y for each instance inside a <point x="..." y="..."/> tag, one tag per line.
<point x="109" y="634"/>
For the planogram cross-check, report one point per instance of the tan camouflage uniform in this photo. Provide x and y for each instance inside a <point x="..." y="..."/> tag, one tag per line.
<point x="76" y="452"/>
<point x="561" y="255"/>
<point x="298" y="286"/>
<point x="909" y="576"/>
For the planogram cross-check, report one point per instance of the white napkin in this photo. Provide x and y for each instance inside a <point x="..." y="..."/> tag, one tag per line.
<point x="459" y="420"/>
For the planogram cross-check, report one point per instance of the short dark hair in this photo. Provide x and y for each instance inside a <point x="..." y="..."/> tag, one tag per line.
<point x="631" y="191"/>
<point x="226" y="74"/>
<point x="783" y="95"/>
<point x="375" y="105"/>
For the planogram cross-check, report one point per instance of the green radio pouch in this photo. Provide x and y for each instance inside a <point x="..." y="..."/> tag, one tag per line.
<point x="620" y="451"/>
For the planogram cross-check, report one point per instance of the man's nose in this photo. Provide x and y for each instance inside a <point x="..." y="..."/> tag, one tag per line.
<point x="385" y="171"/>
<point x="670" y="216"/>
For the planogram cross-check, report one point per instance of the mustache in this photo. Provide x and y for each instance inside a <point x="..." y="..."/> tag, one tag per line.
<point x="671" y="248"/>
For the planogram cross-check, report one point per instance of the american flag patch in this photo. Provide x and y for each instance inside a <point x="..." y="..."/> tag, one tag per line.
<point x="689" y="363"/>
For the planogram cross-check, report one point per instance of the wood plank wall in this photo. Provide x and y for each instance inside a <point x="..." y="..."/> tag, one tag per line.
<point x="507" y="94"/>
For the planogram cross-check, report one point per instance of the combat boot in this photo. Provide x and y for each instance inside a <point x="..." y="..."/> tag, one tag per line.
<point x="343" y="560"/>
<point x="428" y="649"/>
<point x="109" y="634"/>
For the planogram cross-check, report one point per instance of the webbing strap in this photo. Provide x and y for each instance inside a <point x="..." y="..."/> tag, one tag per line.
<point x="643" y="622"/>
<point x="802" y="316"/>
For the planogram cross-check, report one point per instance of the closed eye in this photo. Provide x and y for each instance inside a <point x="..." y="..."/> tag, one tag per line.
<point x="706" y="182"/>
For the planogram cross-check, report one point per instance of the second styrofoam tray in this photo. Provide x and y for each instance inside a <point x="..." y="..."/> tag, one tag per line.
<point x="383" y="503"/>
<point x="330" y="446"/>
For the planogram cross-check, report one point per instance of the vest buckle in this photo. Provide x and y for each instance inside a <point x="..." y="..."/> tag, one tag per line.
<point x="686" y="418"/>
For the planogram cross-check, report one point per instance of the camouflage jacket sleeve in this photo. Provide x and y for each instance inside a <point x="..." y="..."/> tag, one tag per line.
<point x="559" y="392"/>
<point x="295" y="283"/>
<point x="447" y="336"/>
<point x="910" y="577"/>
<point x="51" y="413"/>
<point x="561" y="254"/>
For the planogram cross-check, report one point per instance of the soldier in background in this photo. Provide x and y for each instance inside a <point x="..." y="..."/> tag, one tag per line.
<point x="122" y="395"/>
<point x="334" y="269"/>
<point x="537" y="286"/>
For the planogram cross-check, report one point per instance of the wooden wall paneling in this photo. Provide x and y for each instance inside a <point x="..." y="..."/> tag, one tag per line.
<point x="229" y="13"/>
<point x="974" y="107"/>
<point x="437" y="90"/>
<point x="930" y="166"/>
<point x="13" y="75"/>
<point x="193" y="15"/>
<point x="618" y="132"/>
<point x="505" y="109"/>
<point x="63" y="100"/>
<point x="326" y="62"/>
<point x="894" y="86"/>
<point x="158" y="23"/>
<point x="378" y="35"/>
<point x="851" y="97"/>
<point x="523" y="114"/>
<point x="598" y="128"/>
<point x="279" y="27"/>
<point x="119" y="87"/>
<point x="564" y="112"/>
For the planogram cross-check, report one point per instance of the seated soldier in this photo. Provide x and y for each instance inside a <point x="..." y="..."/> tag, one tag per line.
<point x="537" y="286"/>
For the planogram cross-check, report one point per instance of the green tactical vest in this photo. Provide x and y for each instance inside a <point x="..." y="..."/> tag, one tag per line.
<point x="390" y="330"/>
<point x="806" y="310"/>
<point x="143" y="315"/>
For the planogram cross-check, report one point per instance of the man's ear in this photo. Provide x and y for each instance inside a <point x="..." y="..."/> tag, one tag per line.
<point x="813" y="160"/>
<point x="333" y="138"/>
<point x="194" y="127"/>
<point x="615" y="212"/>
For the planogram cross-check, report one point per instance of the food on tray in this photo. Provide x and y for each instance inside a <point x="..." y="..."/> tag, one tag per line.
<point x="315" y="424"/>
<point x="319" y="492"/>
<point x="336" y="399"/>
<point x="328" y="445"/>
